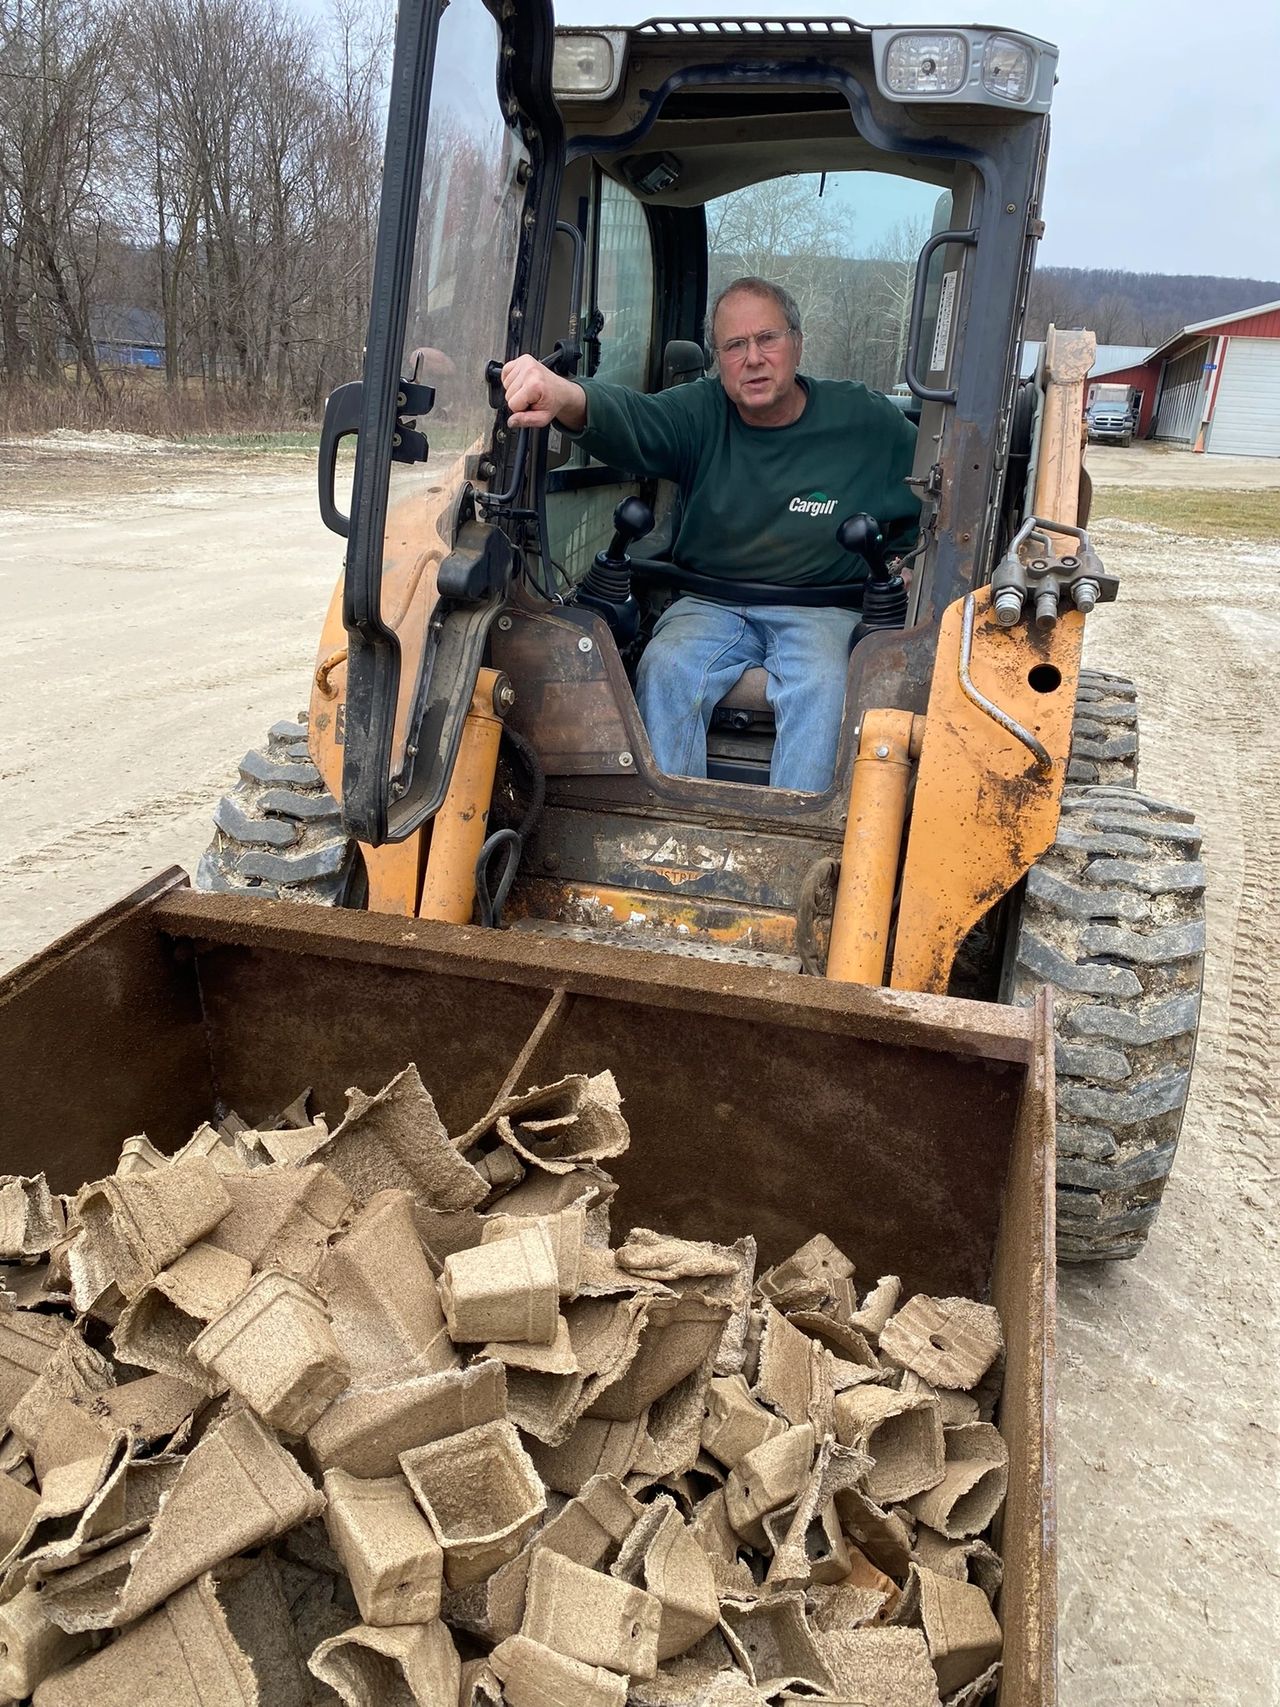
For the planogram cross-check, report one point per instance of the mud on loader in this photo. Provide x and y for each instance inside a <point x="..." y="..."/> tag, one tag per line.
<point x="473" y="750"/>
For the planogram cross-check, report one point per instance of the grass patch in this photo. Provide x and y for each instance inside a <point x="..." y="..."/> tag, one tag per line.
<point x="301" y="442"/>
<point x="1206" y="512"/>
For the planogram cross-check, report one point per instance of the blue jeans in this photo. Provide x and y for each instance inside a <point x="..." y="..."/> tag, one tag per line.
<point x="698" y="651"/>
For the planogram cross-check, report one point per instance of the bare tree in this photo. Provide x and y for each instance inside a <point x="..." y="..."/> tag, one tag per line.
<point x="59" y="139"/>
<point x="855" y="310"/>
<point x="893" y="277"/>
<point x="780" y="230"/>
<point x="842" y="347"/>
<point x="1053" y="301"/>
<point x="1113" y="319"/>
<point x="263" y="144"/>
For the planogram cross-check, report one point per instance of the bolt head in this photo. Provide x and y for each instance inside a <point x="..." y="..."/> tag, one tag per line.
<point x="626" y="760"/>
<point x="1008" y="607"/>
<point x="882" y="752"/>
<point x="1085" y="596"/>
<point x="506" y="696"/>
<point x="504" y="623"/>
<point x="584" y="645"/>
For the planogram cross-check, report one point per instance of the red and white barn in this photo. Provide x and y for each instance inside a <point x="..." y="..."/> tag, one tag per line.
<point x="1217" y="385"/>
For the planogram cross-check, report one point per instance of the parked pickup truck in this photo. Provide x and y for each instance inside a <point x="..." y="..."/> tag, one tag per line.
<point x="1112" y="415"/>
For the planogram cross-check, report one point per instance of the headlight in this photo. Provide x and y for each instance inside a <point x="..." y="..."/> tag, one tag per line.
<point x="926" y="63"/>
<point x="587" y="62"/>
<point x="1009" y="68"/>
<point x="969" y="64"/>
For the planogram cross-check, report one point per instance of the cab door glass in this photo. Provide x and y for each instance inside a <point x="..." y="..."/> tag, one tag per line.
<point x="460" y="295"/>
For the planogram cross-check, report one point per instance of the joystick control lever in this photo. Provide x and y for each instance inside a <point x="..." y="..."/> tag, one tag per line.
<point x="884" y="597"/>
<point x="606" y="586"/>
<point x="631" y="520"/>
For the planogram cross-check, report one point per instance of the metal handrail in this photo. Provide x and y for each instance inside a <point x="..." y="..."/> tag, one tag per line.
<point x="929" y="393"/>
<point x="1032" y="743"/>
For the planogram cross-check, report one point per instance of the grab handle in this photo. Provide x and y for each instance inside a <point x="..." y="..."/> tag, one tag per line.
<point x="929" y="393"/>
<point x="341" y="420"/>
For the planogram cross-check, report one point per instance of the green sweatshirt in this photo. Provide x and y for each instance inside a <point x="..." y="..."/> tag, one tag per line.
<point x="763" y="503"/>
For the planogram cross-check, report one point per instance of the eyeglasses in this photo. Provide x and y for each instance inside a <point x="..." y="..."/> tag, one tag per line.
<point x="735" y="349"/>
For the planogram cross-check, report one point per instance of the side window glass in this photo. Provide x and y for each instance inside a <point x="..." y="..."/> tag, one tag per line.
<point x="623" y="288"/>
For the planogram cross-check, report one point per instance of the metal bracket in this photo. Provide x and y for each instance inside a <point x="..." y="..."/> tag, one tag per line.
<point x="1047" y="578"/>
<point x="927" y="485"/>
<point x="412" y="401"/>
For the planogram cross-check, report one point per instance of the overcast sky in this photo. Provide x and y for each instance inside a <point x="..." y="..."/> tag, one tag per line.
<point x="1166" y="122"/>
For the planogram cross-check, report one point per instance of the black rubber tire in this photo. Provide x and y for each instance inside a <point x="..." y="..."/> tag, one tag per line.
<point x="1112" y="917"/>
<point x="1104" y="735"/>
<point x="279" y="832"/>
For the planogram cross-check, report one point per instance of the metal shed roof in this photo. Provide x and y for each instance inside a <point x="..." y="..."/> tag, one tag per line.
<point x="1218" y="320"/>
<point x="1111" y="358"/>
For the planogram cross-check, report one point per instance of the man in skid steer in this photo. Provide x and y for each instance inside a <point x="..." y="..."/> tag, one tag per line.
<point x="768" y="463"/>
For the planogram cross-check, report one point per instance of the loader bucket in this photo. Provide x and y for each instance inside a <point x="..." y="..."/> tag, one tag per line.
<point x="915" y="1130"/>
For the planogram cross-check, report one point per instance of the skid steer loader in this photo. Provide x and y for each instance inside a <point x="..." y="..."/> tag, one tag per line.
<point x="473" y="749"/>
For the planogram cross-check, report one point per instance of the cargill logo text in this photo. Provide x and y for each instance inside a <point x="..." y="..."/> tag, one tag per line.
<point x="816" y="504"/>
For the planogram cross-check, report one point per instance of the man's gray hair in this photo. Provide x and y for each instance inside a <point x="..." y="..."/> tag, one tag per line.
<point x="753" y="286"/>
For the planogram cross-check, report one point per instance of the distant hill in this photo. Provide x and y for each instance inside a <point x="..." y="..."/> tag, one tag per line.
<point x="1137" y="308"/>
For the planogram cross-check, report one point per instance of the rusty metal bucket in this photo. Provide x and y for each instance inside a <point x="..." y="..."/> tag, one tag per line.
<point x="917" y="1131"/>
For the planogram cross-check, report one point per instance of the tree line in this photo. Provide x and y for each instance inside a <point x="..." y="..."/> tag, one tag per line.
<point x="854" y="291"/>
<point x="211" y="163"/>
<point x="201" y="176"/>
<point x="1137" y="308"/>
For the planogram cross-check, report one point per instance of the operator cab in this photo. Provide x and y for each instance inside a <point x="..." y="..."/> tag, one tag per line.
<point x="775" y="182"/>
<point x="888" y="178"/>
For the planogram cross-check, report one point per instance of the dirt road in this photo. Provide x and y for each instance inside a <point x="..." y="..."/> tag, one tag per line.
<point x="1166" y="465"/>
<point x="1168" y="1406"/>
<point x="162" y="611"/>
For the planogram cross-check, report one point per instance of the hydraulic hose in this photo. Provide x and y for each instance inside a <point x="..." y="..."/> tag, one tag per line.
<point x="491" y="900"/>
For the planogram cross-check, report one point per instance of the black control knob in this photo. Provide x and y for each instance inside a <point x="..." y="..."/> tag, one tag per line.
<point x="860" y="536"/>
<point x="632" y="519"/>
<point x="884" y="593"/>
